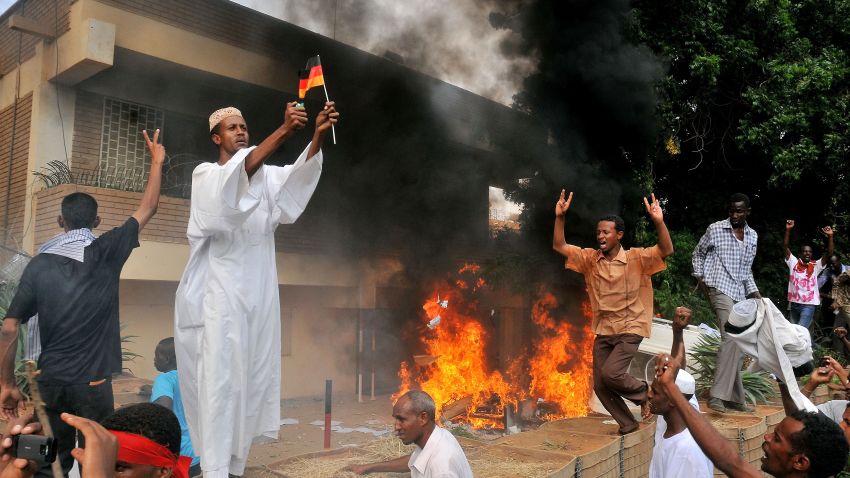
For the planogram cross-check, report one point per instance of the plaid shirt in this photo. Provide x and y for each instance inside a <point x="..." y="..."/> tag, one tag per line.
<point x="722" y="262"/>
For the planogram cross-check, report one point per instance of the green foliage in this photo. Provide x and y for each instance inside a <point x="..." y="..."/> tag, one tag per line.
<point x="756" y="100"/>
<point x="758" y="386"/>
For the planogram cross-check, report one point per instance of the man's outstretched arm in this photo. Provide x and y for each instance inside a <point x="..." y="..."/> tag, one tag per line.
<point x="324" y="122"/>
<point x="150" y="198"/>
<point x="786" y="241"/>
<point x="294" y="118"/>
<point x="680" y="323"/>
<point x="830" y="245"/>
<point x="665" y="243"/>
<point x="399" y="465"/>
<point x="559" y="242"/>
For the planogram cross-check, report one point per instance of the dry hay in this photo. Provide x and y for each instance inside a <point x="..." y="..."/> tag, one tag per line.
<point x="728" y="423"/>
<point x="502" y="467"/>
<point x="330" y="466"/>
<point x="483" y="465"/>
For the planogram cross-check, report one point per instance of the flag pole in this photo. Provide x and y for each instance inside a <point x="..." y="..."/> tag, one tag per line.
<point x="327" y="98"/>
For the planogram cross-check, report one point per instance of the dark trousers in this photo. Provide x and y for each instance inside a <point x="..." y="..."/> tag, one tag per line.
<point x="94" y="402"/>
<point x="612" y="355"/>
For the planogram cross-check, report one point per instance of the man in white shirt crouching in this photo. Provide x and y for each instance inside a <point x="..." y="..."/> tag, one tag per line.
<point x="437" y="454"/>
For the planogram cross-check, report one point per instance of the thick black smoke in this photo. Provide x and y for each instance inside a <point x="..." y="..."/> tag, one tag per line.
<point x="594" y="91"/>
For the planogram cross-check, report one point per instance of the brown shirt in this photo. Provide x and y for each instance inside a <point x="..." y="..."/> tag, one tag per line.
<point x="620" y="290"/>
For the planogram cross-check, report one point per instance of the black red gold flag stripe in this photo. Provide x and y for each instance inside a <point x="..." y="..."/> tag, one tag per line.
<point x="310" y="76"/>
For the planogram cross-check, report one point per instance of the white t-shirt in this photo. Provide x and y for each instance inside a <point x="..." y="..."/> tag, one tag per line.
<point x="442" y="457"/>
<point x="679" y="456"/>
<point x="802" y="287"/>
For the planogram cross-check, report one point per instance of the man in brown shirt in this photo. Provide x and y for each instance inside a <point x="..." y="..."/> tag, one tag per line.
<point x="620" y="291"/>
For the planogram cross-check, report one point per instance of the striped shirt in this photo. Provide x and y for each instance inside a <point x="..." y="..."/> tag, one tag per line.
<point x="724" y="262"/>
<point x="71" y="244"/>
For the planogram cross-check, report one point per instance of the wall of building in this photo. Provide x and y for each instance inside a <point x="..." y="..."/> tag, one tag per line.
<point x="13" y="170"/>
<point x="53" y="14"/>
<point x="318" y="333"/>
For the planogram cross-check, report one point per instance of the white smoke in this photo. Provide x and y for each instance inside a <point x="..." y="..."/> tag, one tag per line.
<point x="446" y="39"/>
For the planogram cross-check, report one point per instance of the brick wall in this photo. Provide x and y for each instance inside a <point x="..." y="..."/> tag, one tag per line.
<point x="88" y="121"/>
<point x="54" y="14"/>
<point x="114" y="207"/>
<point x="14" y="187"/>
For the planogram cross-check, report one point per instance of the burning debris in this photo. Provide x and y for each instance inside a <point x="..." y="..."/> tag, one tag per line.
<point x="553" y="380"/>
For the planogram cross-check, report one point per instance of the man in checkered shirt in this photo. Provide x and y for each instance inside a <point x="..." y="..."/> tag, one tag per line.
<point x="723" y="262"/>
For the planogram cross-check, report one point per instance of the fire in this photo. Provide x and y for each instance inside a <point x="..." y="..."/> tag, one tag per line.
<point x="456" y="371"/>
<point x="561" y="372"/>
<point x="456" y="367"/>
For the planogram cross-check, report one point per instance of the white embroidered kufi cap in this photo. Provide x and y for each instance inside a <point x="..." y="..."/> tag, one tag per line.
<point x="219" y="115"/>
<point x="686" y="383"/>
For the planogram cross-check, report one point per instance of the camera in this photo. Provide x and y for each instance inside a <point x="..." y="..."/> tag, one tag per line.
<point x="37" y="448"/>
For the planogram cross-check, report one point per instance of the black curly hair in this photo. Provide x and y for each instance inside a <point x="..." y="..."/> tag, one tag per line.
<point x="149" y="420"/>
<point x="619" y="224"/>
<point x="822" y="441"/>
<point x="79" y="210"/>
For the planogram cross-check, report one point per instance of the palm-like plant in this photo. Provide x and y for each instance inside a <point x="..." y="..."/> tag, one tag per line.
<point x="127" y="355"/>
<point x="758" y="386"/>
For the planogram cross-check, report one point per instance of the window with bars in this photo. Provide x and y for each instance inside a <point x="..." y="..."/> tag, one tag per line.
<point x="124" y="158"/>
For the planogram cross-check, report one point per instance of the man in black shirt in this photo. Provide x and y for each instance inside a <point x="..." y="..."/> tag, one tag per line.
<point x="73" y="287"/>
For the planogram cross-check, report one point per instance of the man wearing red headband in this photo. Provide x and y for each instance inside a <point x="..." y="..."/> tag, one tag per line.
<point x="148" y="442"/>
<point x="137" y="441"/>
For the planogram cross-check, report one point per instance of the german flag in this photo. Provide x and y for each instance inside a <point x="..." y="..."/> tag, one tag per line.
<point x="310" y="76"/>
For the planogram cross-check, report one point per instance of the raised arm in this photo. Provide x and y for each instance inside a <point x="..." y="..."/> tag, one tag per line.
<point x="665" y="243"/>
<point x="150" y="198"/>
<point x="399" y="465"/>
<point x="324" y="122"/>
<point x="559" y="243"/>
<point x="680" y="323"/>
<point x="11" y="398"/>
<point x="830" y="246"/>
<point x="786" y="249"/>
<point x="720" y="451"/>
<point x="294" y="118"/>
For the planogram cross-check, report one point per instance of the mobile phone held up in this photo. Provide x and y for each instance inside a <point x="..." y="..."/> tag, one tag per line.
<point x="37" y="448"/>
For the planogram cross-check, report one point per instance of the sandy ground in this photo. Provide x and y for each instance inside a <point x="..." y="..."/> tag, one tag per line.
<point x="300" y="438"/>
<point x="305" y="438"/>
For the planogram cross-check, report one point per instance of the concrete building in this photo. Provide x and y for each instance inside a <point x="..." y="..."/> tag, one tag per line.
<point x="79" y="79"/>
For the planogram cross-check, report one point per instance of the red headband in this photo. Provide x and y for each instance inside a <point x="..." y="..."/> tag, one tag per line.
<point x="139" y="450"/>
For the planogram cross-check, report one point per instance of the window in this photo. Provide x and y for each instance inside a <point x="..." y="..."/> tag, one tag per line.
<point x="504" y="214"/>
<point x="124" y="158"/>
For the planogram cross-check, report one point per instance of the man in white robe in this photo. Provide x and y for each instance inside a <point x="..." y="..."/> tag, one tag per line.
<point x="779" y="347"/>
<point x="227" y="310"/>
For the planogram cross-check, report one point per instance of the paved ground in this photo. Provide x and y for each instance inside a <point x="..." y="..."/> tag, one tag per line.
<point x="300" y="438"/>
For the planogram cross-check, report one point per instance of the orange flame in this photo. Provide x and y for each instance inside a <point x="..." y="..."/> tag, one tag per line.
<point x="456" y="367"/>
<point x="561" y="370"/>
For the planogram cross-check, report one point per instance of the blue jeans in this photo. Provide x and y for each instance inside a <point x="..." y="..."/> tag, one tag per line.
<point x="802" y="314"/>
